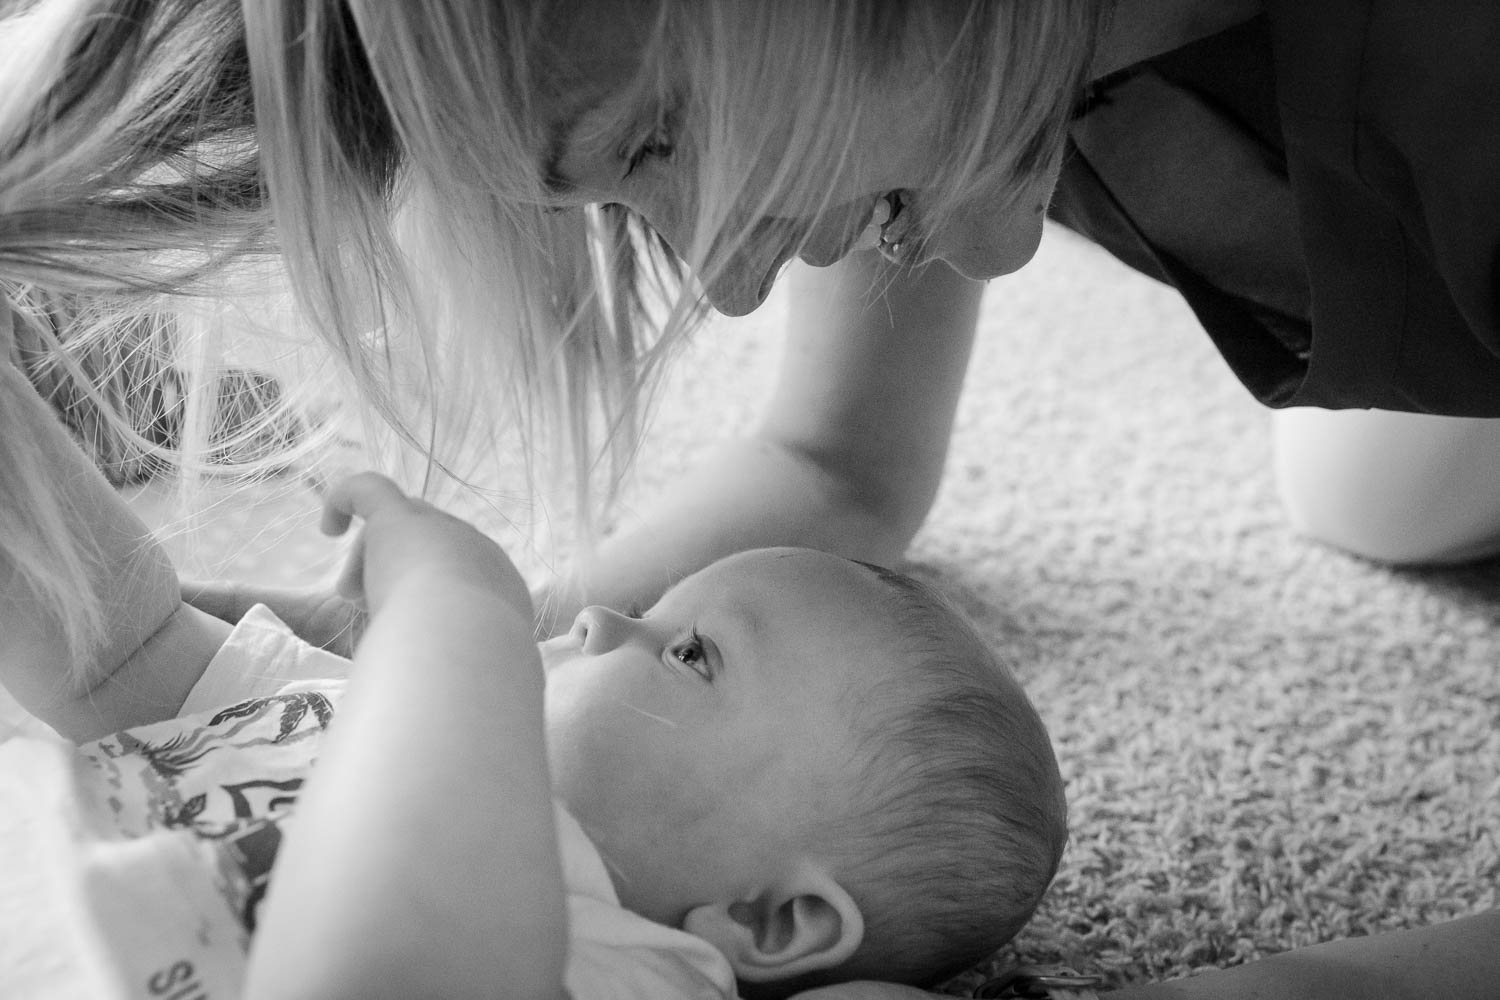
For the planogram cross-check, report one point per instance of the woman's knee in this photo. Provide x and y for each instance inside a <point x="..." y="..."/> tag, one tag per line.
<point x="1398" y="488"/>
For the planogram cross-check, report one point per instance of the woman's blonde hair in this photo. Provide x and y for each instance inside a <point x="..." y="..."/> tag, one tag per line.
<point x="383" y="162"/>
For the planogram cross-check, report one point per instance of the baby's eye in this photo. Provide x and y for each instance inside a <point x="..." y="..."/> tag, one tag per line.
<point x="689" y="652"/>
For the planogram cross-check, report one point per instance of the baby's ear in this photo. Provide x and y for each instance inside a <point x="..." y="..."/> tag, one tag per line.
<point x="804" y="924"/>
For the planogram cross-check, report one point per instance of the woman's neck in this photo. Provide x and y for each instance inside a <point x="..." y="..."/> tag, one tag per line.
<point x="1141" y="29"/>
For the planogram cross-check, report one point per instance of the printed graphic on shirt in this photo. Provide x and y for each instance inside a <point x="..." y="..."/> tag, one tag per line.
<point x="227" y="780"/>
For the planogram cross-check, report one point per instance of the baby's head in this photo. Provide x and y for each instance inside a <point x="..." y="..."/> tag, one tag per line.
<point x="813" y="763"/>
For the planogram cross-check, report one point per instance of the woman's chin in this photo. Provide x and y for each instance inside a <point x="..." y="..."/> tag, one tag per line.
<point x="982" y="261"/>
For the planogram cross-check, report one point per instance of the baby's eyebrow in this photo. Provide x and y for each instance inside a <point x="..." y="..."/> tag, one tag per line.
<point x="741" y="623"/>
<point x="751" y="622"/>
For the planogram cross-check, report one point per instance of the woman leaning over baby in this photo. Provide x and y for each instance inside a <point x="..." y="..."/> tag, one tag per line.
<point x="461" y="196"/>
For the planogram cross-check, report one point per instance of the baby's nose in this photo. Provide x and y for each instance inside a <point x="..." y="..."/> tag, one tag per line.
<point x="602" y="629"/>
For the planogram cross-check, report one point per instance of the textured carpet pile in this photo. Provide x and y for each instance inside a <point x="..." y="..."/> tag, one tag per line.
<point x="1267" y="743"/>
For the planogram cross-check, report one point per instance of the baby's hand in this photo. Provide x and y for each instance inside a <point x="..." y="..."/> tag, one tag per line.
<point x="405" y="539"/>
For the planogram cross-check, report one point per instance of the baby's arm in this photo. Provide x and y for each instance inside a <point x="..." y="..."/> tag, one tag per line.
<point x="155" y="647"/>
<point x="423" y="860"/>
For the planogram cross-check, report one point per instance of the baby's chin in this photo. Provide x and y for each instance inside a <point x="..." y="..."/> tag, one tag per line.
<point x="640" y="884"/>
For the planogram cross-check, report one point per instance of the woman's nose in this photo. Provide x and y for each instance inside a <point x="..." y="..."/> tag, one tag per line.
<point x="601" y="628"/>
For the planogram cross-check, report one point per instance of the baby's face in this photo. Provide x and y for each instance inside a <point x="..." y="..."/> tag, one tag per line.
<point x="697" y="744"/>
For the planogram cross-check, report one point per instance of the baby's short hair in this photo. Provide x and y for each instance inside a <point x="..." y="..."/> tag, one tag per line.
<point x="961" y="818"/>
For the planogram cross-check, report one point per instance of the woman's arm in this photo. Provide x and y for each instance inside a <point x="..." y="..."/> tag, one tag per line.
<point x="155" y="647"/>
<point x="1458" y="960"/>
<point x="848" y="454"/>
<point x="423" y="860"/>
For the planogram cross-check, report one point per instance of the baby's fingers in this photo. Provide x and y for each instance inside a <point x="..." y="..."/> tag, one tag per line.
<point x="351" y="582"/>
<point x="361" y="495"/>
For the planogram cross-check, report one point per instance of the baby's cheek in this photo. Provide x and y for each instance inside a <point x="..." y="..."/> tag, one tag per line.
<point x="568" y="745"/>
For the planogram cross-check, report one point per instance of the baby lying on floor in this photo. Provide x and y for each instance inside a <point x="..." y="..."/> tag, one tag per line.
<point x="792" y="770"/>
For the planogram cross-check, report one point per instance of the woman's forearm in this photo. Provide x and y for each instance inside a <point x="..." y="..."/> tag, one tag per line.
<point x="849" y="451"/>
<point x="85" y="693"/>
<point x="1458" y="960"/>
<point x="423" y="858"/>
<point x="744" y="494"/>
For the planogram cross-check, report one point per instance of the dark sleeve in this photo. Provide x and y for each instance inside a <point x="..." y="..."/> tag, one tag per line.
<point x="1176" y="168"/>
<point x="1321" y="185"/>
<point x="1392" y="116"/>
